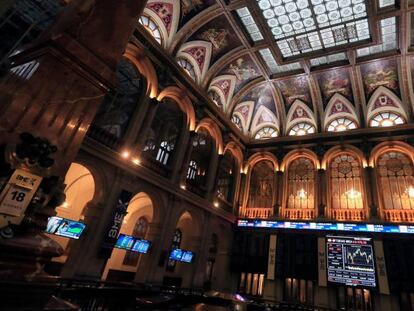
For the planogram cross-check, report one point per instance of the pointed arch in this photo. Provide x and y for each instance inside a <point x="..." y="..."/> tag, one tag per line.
<point x="384" y="100"/>
<point x="137" y="57"/>
<point x="224" y="86"/>
<point x="183" y="101"/>
<point x="263" y="117"/>
<point x="294" y="154"/>
<point x="198" y="53"/>
<point x="211" y="127"/>
<point x="299" y="112"/>
<point x="244" y="111"/>
<point x="166" y="15"/>
<point x="339" y="106"/>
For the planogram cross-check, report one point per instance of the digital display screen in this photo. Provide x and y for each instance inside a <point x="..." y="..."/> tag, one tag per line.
<point x="181" y="255"/>
<point x="64" y="227"/>
<point x="350" y="261"/>
<point x="326" y="226"/>
<point x="131" y="243"/>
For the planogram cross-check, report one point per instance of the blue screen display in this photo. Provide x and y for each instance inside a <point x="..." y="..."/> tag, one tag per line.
<point x="65" y="227"/>
<point x="131" y="243"/>
<point x="181" y="255"/>
<point x="327" y="226"/>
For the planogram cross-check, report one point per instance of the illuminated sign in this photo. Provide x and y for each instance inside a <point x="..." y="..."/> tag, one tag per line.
<point x="350" y="261"/>
<point x="131" y="243"/>
<point x="326" y="226"/>
<point x="65" y="227"/>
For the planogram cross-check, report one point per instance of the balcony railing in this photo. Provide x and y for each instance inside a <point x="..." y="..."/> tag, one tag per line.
<point x="104" y="137"/>
<point x="296" y="213"/>
<point x="398" y="215"/>
<point x="256" y="212"/>
<point x="346" y="214"/>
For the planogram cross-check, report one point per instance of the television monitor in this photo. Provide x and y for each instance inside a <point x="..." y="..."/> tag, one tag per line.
<point x="350" y="261"/>
<point x="181" y="255"/>
<point x="131" y="243"/>
<point x="65" y="227"/>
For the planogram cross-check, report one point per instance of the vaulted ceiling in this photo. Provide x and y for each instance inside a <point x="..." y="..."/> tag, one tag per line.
<point x="294" y="67"/>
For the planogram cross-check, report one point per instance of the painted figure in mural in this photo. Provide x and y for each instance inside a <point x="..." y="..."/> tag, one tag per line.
<point x="217" y="37"/>
<point x="188" y="5"/>
<point x="242" y="70"/>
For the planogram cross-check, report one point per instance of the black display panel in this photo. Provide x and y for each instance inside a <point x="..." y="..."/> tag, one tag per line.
<point x="350" y="261"/>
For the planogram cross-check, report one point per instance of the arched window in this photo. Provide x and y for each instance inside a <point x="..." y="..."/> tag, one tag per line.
<point x="140" y="230"/>
<point x="396" y="177"/>
<point x="119" y="104"/>
<point x="164" y="152"/>
<point x="385" y="119"/>
<point x="236" y="120"/>
<point x="261" y="185"/>
<point x="176" y="243"/>
<point x="226" y="177"/>
<point x="186" y="65"/>
<point x="301" y="129"/>
<point x="151" y="27"/>
<point x="192" y="170"/>
<point x="301" y="184"/>
<point x="215" y="98"/>
<point x="346" y="189"/>
<point x="341" y="124"/>
<point x="165" y="130"/>
<point x="266" y="133"/>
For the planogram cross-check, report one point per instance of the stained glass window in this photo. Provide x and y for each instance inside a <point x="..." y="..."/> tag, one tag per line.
<point x="301" y="180"/>
<point x="236" y="120"/>
<point x="388" y="28"/>
<point x="151" y="27"/>
<point x="341" y="124"/>
<point x="192" y="170"/>
<point x="272" y="64"/>
<point x="327" y="59"/>
<point x="266" y="133"/>
<point x="303" y="26"/>
<point x="385" y="119"/>
<point x="301" y="129"/>
<point x="176" y="243"/>
<point x="186" y="65"/>
<point x="250" y="24"/>
<point x="215" y="98"/>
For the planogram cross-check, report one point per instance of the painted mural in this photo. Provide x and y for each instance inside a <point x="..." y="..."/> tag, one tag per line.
<point x="262" y="96"/>
<point x="221" y="35"/>
<point x="244" y="69"/>
<point x="380" y="73"/>
<point x="190" y="8"/>
<point x="335" y="81"/>
<point x="293" y="89"/>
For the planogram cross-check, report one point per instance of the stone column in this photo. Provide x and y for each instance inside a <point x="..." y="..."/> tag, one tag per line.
<point x="146" y="126"/>
<point x="278" y="193"/>
<point x="212" y="175"/>
<point x="322" y="193"/>
<point x="71" y="70"/>
<point x="187" y="157"/>
<point x="200" y="247"/>
<point x="371" y="192"/>
<point x="179" y="154"/>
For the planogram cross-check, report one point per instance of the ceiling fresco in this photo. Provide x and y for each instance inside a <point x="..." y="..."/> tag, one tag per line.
<point x="267" y="49"/>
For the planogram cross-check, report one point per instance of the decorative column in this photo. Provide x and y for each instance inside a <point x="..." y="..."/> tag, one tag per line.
<point x="179" y="154"/>
<point x="146" y="126"/>
<point x="322" y="194"/>
<point x="371" y="192"/>
<point x="278" y="204"/>
<point x="187" y="157"/>
<point x="212" y="175"/>
<point x="70" y="71"/>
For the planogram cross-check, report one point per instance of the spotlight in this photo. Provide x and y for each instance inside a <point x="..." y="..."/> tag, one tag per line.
<point x="136" y="161"/>
<point x="182" y="187"/>
<point x="216" y="204"/>
<point x="125" y="154"/>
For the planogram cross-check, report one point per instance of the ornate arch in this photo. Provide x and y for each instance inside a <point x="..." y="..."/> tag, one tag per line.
<point x="166" y="15"/>
<point x="387" y="146"/>
<point x="299" y="112"/>
<point x="198" y="53"/>
<point x="334" y="151"/>
<point x="224" y="86"/>
<point x="383" y="100"/>
<point x="339" y="106"/>
<point x="174" y="92"/>
<point x="235" y="151"/>
<point x="244" y="111"/>
<point x="211" y="127"/>
<point x="143" y="64"/>
<point x="294" y="154"/>
<point x="262" y="118"/>
<point x="260" y="156"/>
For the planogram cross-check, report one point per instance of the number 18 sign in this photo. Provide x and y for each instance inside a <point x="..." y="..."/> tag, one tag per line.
<point x="18" y="193"/>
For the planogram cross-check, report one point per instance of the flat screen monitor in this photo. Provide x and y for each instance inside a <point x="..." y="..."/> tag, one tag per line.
<point x="350" y="261"/>
<point x="65" y="227"/>
<point x="131" y="243"/>
<point x="181" y="255"/>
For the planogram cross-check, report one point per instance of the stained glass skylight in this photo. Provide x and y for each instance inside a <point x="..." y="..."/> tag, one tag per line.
<point x="303" y="26"/>
<point x="249" y="23"/>
<point x="327" y="59"/>
<point x="388" y="27"/>
<point x="272" y="64"/>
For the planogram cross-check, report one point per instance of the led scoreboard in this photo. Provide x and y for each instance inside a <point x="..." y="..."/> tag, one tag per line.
<point x="350" y="261"/>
